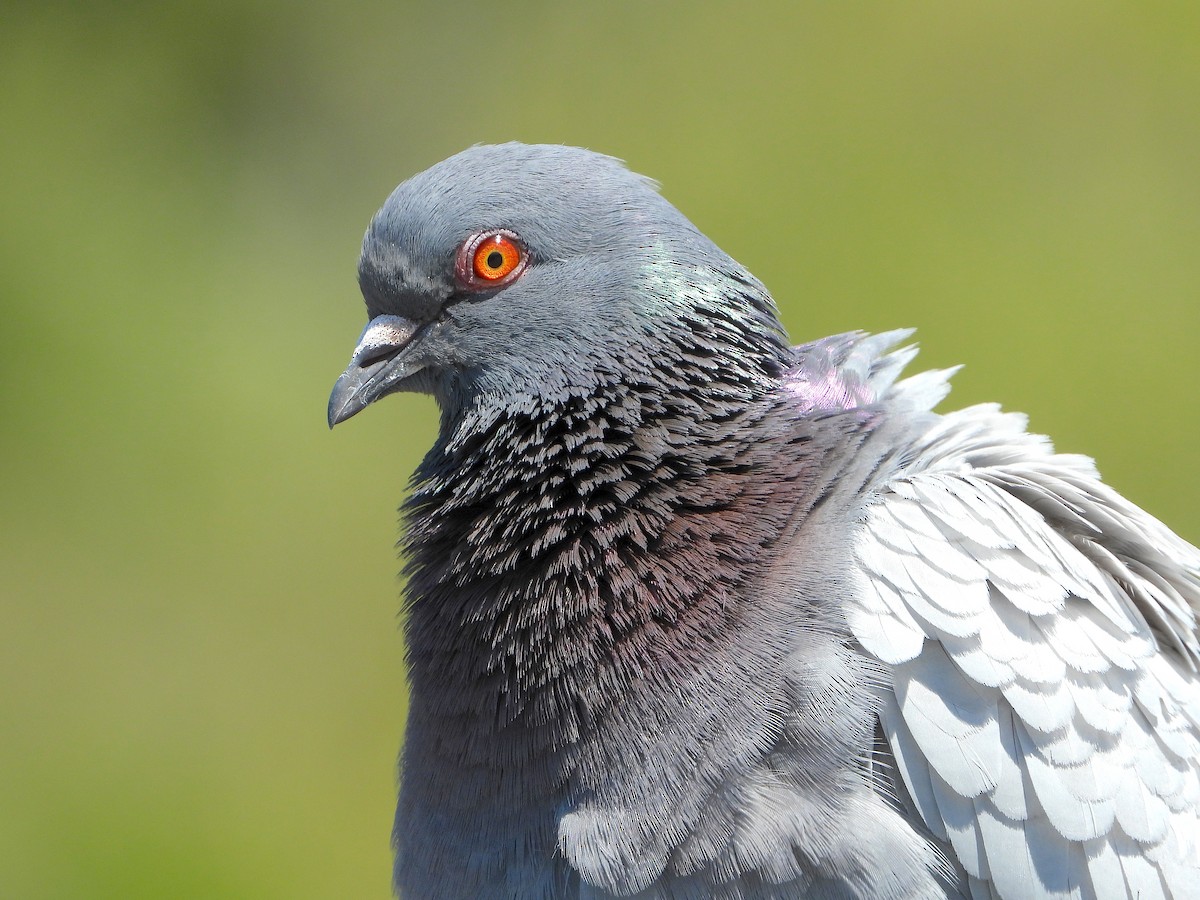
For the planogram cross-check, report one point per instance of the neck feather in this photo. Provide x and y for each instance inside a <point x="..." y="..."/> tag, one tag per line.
<point x="560" y="554"/>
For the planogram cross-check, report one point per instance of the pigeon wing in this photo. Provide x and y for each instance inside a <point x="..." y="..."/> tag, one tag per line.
<point x="1041" y="636"/>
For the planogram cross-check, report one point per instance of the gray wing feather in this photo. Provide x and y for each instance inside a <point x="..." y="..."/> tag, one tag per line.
<point x="1041" y="633"/>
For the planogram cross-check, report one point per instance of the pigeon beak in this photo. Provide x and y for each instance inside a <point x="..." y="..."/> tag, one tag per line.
<point x="373" y="368"/>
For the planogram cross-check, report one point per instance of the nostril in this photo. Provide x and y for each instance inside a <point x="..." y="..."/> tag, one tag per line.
<point x="383" y="338"/>
<point x="370" y="355"/>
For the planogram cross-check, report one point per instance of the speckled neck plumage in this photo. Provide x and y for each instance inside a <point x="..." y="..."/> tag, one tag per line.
<point x="566" y="566"/>
<point x="609" y="535"/>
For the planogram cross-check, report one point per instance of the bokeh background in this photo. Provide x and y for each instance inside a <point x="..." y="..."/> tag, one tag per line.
<point x="201" y="680"/>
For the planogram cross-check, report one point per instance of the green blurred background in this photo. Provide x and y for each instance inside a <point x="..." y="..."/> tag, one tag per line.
<point x="201" y="681"/>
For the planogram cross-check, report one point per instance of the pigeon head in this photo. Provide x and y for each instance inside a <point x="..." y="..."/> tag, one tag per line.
<point x="514" y="277"/>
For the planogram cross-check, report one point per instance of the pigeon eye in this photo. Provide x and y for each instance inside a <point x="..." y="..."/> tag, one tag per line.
<point x="490" y="260"/>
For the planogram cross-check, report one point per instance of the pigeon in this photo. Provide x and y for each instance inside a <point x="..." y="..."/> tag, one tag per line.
<point x="691" y="612"/>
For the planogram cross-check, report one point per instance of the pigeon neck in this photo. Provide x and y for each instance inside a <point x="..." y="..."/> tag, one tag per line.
<point x="559" y="553"/>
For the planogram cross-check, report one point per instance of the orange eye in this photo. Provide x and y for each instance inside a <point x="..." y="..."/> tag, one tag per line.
<point x="489" y="260"/>
<point x="495" y="257"/>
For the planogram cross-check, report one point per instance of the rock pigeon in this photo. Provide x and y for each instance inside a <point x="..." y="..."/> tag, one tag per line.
<point x="694" y="613"/>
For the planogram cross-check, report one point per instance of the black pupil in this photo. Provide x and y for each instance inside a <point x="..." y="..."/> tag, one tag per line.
<point x="495" y="259"/>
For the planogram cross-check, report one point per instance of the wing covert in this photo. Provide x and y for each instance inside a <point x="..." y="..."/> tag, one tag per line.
<point x="1041" y="633"/>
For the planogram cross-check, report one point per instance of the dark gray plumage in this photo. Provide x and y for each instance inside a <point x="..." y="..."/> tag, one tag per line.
<point x="692" y="613"/>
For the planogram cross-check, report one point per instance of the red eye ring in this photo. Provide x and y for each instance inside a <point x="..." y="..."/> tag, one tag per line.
<point x="490" y="259"/>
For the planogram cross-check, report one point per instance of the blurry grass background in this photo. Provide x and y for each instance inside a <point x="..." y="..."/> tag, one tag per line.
<point x="201" y="682"/>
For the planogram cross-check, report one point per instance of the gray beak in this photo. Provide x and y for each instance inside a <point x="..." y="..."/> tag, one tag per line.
<point x="374" y="368"/>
